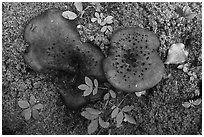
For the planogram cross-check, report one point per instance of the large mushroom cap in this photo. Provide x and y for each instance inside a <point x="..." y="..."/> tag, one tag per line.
<point x="133" y="63"/>
<point x="55" y="44"/>
<point x="51" y="39"/>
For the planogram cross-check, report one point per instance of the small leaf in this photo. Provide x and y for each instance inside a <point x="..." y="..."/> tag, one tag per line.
<point x="83" y="87"/>
<point x="180" y="66"/>
<point x="197" y="102"/>
<point x="129" y="119"/>
<point x="38" y="106"/>
<point x="115" y="112"/>
<point x="99" y="21"/>
<point x="78" y="6"/>
<point x="176" y="54"/>
<point x="23" y="104"/>
<point x="139" y="94"/>
<point x="69" y="15"/>
<point x="35" y="114"/>
<point x="104" y="28"/>
<point x="186" y="65"/>
<point x="103" y="23"/>
<point x="103" y="124"/>
<point x="197" y="92"/>
<point x="112" y="93"/>
<point x="110" y="28"/>
<point x="93" y="111"/>
<point x="88" y="116"/>
<point x="185" y="69"/>
<point x="106" y="96"/>
<point x="93" y="19"/>
<point x="87" y="92"/>
<point x="127" y="108"/>
<point x="32" y="100"/>
<point x="96" y="14"/>
<point x="119" y="119"/>
<point x="96" y="83"/>
<point x="26" y="113"/>
<point x="186" y="104"/>
<point x="108" y="19"/>
<point x="89" y="82"/>
<point x="95" y="91"/>
<point x="101" y="15"/>
<point x="93" y="126"/>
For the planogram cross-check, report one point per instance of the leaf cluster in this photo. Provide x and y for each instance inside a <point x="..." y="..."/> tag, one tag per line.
<point x="89" y="87"/>
<point x="111" y="94"/>
<point x="121" y="115"/>
<point x="30" y="108"/>
<point x="79" y="7"/>
<point x="103" y="21"/>
<point x="185" y="68"/>
<point x="96" y="120"/>
<point x="186" y="12"/>
<point x="192" y="103"/>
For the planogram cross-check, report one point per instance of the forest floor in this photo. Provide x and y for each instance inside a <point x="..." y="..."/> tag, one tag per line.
<point x="159" y="111"/>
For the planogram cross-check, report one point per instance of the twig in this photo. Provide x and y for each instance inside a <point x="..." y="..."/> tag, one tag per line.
<point x="123" y="100"/>
<point x="102" y="88"/>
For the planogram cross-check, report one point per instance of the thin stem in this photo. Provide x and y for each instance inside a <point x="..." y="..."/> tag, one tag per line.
<point x="123" y="100"/>
<point x="89" y="7"/>
<point x="106" y="104"/>
<point x="102" y="88"/>
<point x="110" y="113"/>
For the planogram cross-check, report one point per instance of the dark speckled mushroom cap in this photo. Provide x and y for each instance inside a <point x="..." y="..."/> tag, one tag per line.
<point x="55" y="44"/>
<point x="133" y="63"/>
<point x="51" y="39"/>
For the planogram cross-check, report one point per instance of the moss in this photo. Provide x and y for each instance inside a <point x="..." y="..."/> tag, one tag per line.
<point x="159" y="112"/>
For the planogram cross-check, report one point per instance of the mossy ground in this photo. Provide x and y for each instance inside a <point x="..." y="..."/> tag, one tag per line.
<point x="160" y="111"/>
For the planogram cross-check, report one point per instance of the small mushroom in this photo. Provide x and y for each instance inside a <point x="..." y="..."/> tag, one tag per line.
<point x="133" y="63"/>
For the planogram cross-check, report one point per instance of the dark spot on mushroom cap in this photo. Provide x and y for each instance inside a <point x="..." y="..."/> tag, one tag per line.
<point x="138" y="60"/>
